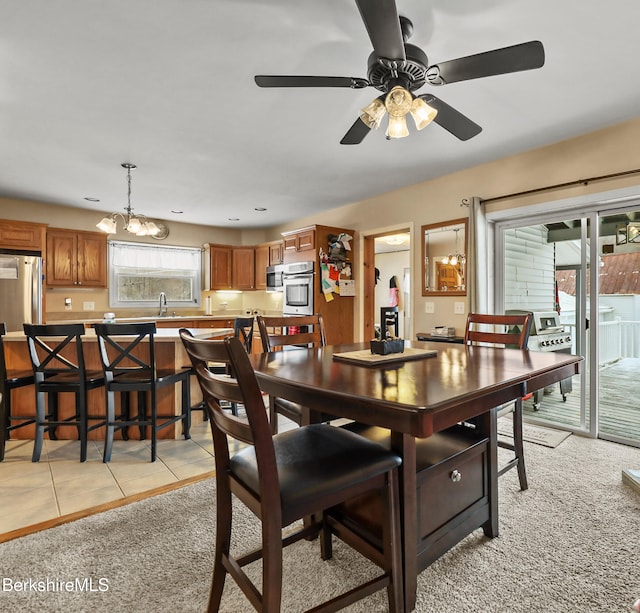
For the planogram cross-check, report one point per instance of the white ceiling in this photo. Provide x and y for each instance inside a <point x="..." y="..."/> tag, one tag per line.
<point x="168" y="85"/>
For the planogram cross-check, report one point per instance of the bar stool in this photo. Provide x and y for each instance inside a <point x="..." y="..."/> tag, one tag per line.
<point x="127" y="353"/>
<point x="10" y="380"/>
<point x="58" y="366"/>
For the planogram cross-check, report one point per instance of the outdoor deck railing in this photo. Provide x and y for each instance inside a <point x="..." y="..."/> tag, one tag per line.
<point x="618" y="339"/>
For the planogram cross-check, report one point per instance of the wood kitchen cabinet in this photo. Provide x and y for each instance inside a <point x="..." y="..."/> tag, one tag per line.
<point x="243" y="268"/>
<point x="230" y="267"/>
<point x="262" y="261"/>
<point x="75" y="258"/>
<point x="219" y="267"/>
<point x="304" y="245"/>
<point x="299" y="241"/>
<point x="22" y="235"/>
<point x="276" y="253"/>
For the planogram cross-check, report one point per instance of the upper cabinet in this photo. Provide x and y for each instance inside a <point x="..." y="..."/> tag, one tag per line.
<point x="276" y="253"/>
<point x="297" y="242"/>
<point x="22" y="235"/>
<point x="444" y="258"/>
<point x="243" y="265"/>
<point x="76" y="258"/>
<point x="230" y="268"/>
<point x="262" y="261"/>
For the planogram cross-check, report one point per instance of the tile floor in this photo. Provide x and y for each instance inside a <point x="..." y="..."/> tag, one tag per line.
<point x="59" y="484"/>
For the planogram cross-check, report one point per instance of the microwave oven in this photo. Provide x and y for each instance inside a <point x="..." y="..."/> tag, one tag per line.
<point x="275" y="278"/>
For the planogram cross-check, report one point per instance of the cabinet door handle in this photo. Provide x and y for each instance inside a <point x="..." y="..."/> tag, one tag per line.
<point x="456" y="476"/>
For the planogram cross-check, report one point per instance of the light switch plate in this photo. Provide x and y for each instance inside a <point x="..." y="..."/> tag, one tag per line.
<point x="429" y="307"/>
<point x="458" y="308"/>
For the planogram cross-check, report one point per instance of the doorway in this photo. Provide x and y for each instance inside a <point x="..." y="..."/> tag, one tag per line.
<point x="387" y="274"/>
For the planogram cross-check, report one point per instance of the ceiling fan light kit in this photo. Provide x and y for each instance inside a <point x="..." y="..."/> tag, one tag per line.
<point x="398" y="69"/>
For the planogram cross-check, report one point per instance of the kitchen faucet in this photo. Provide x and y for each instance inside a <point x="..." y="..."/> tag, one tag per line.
<point x="163" y="305"/>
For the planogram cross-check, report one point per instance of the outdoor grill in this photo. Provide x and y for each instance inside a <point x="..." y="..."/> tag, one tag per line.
<point x="548" y="334"/>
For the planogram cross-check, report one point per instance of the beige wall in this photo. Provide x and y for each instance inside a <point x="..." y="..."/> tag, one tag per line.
<point x="608" y="151"/>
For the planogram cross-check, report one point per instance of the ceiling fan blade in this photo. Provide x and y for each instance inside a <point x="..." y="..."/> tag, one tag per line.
<point x="383" y="25"/>
<point x="302" y="81"/>
<point x="451" y="120"/>
<point x="525" y="56"/>
<point x="356" y="133"/>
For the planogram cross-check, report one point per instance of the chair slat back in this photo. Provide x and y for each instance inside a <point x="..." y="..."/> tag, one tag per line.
<point x="243" y="330"/>
<point x="56" y="349"/>
<point x="274" y="331"/>
<point x="508" y="330"/>
<point x="122" y="349"/>
<point x="202" y="352"/>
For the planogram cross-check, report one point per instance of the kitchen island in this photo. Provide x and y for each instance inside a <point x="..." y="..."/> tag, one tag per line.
<point x="169" y="353"/>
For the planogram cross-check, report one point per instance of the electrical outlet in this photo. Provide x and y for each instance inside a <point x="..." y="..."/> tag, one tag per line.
<point x="458" y="308"/>
<point x="67" y="304"/>
<point x="88" y="306"/>
<point x="429" y="307"/>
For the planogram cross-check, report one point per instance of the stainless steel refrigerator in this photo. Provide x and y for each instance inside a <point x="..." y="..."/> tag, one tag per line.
<point x="20" y="290"/>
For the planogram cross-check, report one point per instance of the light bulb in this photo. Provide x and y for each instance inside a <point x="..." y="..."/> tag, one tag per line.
<point x="422" y="113"/>
<point x="397" y="127"/>
<point x="107" y="224"/>
<point x="398" y="101"/>
<point x="372" y="114"/>
<point x="134" y="225"/>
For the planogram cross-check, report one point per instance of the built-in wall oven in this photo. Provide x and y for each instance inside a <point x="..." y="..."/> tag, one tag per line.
<point x="297" y="281"/>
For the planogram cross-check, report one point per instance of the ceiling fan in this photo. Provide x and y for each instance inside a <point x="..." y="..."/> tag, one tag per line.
<point x="398" y="68"/>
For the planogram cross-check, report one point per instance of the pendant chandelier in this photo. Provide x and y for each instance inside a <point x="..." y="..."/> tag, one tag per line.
<point x="133" y="223"/>
<point x="456" y="258"/>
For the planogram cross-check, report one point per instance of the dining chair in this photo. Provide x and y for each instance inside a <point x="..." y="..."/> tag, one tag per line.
<point x="306" y="472"/>
<point x="127" y="353"/>
<point x="279" y="333"/>
<point x="508" y="331"/>
<point x="57" y="359"/>
<point x="11" y="379"/>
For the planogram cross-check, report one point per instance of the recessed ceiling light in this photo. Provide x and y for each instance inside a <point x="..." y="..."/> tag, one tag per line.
<point x="234" y="219"/>
<point x="177" y="212"/>
<point x="92" y="199"/>
<point x="259" y="208"/>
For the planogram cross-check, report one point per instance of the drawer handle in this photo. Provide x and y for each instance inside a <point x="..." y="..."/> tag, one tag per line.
<point x="456" y="476"/>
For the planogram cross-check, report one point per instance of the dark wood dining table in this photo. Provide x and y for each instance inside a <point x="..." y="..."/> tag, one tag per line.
<point x="424" y="398"/>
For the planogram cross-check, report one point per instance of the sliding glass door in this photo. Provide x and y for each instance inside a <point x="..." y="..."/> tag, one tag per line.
<point x="544" y="269"/>
<point x="549" y="267"/>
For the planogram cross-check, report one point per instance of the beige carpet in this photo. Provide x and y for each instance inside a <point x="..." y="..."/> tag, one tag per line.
<point x="569" y="543"/>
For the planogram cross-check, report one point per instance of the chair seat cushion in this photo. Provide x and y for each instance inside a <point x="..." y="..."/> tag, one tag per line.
<point x="315" y="462"/>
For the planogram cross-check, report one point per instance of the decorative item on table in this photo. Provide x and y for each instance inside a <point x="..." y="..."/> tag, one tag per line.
<point x="386" y="343"/>
<point x="444" y="331"/>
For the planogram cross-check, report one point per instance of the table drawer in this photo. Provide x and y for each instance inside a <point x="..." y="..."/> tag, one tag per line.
<point x="451" y="477"/>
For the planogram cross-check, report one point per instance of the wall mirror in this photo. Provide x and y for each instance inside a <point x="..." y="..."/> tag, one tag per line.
<point x="444" y="258"/>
